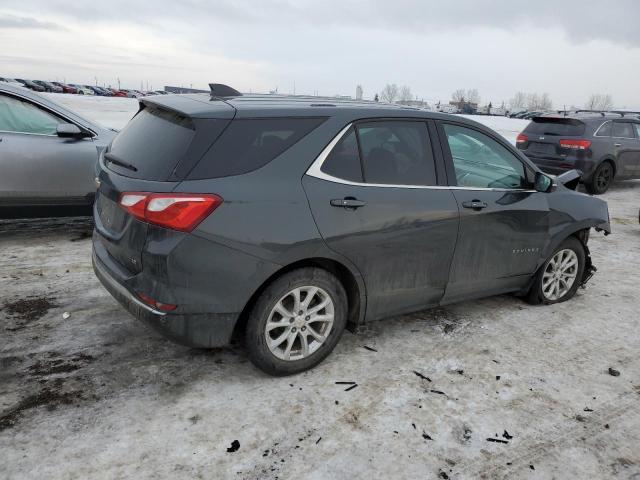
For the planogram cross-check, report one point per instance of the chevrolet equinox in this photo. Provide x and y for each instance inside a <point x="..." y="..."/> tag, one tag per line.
<point x="285" y="219"/>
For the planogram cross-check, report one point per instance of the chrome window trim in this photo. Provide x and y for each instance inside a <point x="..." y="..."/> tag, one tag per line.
<point x="315" y="171"/>
<point x="602" y="125"/>
<point x="28" y="133"/>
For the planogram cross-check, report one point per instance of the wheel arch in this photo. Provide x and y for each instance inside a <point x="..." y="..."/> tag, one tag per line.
<point x="351" y="281"/>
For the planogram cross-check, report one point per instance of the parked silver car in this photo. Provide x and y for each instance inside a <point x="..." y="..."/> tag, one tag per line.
<point x="48" y="154"/>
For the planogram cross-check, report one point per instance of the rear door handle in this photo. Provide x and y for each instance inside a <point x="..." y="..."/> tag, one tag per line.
<point x="347" y="202"/>
<point x="475" y="204"/>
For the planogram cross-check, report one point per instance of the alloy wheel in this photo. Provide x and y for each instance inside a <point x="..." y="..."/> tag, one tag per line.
<point x="560" y="274"/>
<point x="603" y="177"/>
<point x="299" y="323"/>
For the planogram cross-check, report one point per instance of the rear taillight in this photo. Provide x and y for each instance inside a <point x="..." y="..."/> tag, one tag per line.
<point x="177" y="211"/>
<point x="163" y="307"/>
<point x="575" y="144"/>
<point x="522" y="138"/>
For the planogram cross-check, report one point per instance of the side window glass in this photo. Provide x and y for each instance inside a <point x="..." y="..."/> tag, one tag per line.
<point x="623" y="130"/>
<point x="344" y="161"/>
<point x="604" y="130"/>
<point x="396" y="153"/>
<point x="637" y="127"/>
<point x="23" y="117"/>
<point x="481" y="162"/>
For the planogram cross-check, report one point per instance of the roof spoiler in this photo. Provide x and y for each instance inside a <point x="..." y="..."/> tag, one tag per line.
<point x="222" y="90"/>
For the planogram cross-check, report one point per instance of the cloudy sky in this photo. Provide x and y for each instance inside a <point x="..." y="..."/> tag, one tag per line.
<point x="568" y="48"/>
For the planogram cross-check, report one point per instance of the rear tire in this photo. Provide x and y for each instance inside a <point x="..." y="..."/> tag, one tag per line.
<point x="558" y="279"/>
<point x="601" y="179"/>
<point x="296" y="321"/>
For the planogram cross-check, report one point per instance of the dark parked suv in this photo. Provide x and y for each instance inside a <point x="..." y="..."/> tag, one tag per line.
<point x="601" y="146"/>
<point x="285" y="219"/>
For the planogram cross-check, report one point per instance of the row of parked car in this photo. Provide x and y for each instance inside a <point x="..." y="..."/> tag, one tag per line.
<point x="60" y="87"/>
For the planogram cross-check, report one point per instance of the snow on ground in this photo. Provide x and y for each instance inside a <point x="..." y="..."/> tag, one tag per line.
<point x="115" y="112"/>
<point x="98" y="395"/>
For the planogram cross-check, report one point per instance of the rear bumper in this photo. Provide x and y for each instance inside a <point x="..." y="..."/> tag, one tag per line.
<point x="557" y="166"/>
<point x="193" y="330"/>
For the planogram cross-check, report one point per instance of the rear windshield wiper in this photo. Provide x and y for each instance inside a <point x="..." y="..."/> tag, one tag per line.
<point x="110" y="157"/>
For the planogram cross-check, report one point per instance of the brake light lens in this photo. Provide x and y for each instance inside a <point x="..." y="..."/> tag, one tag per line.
<point x="176" y="211"/>
<point x="575" y="144"/>
<point x="522" y="138"/>
<point x="163" y="307"/>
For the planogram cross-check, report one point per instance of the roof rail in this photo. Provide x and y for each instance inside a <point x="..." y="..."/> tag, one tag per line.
<point x="222" y="90"/>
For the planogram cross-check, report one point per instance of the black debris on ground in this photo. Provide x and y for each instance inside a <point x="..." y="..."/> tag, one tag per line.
<point x="606" y="425"/>
<point x="235" y="446"/>
<point x="532" y="467"/>
<point x="443" y="475"/>
<point x="414" y="426"/>
<point x="613" y="372"/>
<point x="318" y="440"/>
<point x="587" y="409"/>
<point x="426" y="436"/>
<point x="48" y="398"/>
<point x="345" y="383"/>
<point x="496" y="440"/>
<point x="351" y="387"/>
<point x="460" y="371"/>
<point x="28" y="310"/>
<point x="438" y="392"/>
<point x="506" y="435"/>
<point x="371" y="349"/>
<point x="581" y="418"/>
<point x="420" y="375"/>
<point x="497" y="377"/>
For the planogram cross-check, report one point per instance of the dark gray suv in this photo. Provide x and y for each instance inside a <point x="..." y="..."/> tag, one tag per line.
<point x="601" y="146"/>
<point x="285" y="219"/>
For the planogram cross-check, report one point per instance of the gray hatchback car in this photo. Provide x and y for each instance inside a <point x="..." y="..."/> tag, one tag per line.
<point x="48" y="155"/>
<point x="286" y="219"/>
<point x="603" y="147"/>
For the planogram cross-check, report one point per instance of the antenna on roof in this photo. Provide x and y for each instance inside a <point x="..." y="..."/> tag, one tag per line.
<point x="222" y="90"/>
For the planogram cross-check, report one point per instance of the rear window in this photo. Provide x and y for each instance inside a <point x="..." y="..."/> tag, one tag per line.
<point x="153" y="142"/>
<point x="555" y="126"/>
<point x="249" y="144"/>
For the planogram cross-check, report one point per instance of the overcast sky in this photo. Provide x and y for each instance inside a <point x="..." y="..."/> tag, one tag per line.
<point x="568" y="48"/>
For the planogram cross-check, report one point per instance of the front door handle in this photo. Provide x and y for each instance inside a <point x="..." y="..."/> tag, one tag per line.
<point x="617" y="144"/>
<point x="475" y="204"/>
<point x="347" y="202"/>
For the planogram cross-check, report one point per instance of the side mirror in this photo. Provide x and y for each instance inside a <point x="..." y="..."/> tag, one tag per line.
<point x="70" y="130"/>
<point x="542" y="182"/>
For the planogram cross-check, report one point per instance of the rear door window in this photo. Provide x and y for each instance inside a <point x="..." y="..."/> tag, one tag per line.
<point x="152" y="143"/>
<point x="555" y="126"/>
<point x="396" y="153"/>
<point x="248" y="144"/>
<point x="344" y="160"/>
<point x="604" y="130"/>
<point x="623" y="130"/>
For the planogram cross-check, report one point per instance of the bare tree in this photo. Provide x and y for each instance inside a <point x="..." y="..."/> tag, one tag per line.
<point x="405" y="94"/>
<point x="389" y="93"/>
<point x="545" y="102"/>
<point x="533" y="101"/>
<point x="473" y="96"/>
<point x="459" y="95"/>
<point x="599" y="101"/>
<point x="518" y="101"/>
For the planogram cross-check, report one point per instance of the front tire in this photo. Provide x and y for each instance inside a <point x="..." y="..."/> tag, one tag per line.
<point x="296" y="322"/>
<point x="601" y="179"/>
<point x="559" y="277"/>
